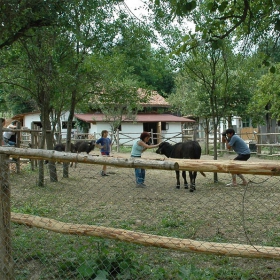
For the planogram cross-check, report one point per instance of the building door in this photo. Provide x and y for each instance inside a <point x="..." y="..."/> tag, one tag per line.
<point x="149" y="127"/>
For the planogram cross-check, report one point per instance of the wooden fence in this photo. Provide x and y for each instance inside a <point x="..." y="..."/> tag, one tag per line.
<point x="186" y="245"/>
<point x="261" y="144"/>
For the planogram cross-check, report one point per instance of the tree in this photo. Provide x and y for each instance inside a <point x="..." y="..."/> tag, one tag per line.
<point x="211" y="88"/>
<point x="219" y="19"/>
<point x="150" y="64"/>
<point x="265" y="101"/>
<point x="19" y="17"/>
<point x="119" y="99"/>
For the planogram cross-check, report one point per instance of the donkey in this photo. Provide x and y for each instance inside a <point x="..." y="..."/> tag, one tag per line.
<point x="188" y="150"/>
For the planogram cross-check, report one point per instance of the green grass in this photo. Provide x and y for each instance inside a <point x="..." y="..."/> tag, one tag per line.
<point x="42" y="254"/>
<point x="58" y="256"/>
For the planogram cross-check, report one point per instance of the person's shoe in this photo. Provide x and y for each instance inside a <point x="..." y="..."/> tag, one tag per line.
<point x="104" y="174"/>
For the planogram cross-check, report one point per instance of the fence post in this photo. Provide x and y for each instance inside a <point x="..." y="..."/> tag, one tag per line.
<point x="118" y="140"/>
<point x="6" y="260"/>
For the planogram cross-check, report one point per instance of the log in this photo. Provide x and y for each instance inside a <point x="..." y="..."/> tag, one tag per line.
<point x="185" y="245"/>
<point x="271" y="168"/>
<point x="51" y="155"/>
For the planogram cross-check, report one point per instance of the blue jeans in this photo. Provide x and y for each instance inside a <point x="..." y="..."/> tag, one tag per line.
<point x="140" y="175"/>
<point x="9" y="143"/>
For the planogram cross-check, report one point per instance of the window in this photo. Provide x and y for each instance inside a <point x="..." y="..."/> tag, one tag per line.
<point x="246" y="123"/>
<point x="64" y="125"/>
<point x="164" y="126"/>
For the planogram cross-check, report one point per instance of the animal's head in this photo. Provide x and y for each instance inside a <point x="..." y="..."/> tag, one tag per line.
<point x="73" y="148"/>
<point x="162" y="148"/>
<point x="91" y="146"/>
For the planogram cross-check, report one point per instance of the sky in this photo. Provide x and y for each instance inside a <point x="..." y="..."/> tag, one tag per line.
<point x="136" y="7"/>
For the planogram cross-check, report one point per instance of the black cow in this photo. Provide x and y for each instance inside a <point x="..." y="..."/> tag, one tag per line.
<point x="84" y="146"/>
<point x="61" y="148"/>
<point x="188" y="150"/>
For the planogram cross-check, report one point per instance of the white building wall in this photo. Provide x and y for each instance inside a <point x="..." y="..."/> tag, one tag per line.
<point x="236" y="123"/>
<point x="131" y="131"/>
<point x="29" y="119"/>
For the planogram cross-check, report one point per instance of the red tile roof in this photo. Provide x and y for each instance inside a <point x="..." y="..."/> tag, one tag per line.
<point x="98" y="117"/>
<point x="155" y="100"/>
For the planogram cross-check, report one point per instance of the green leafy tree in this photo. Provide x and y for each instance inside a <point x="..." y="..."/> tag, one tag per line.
<point x="265" y="101"/>
<point x="151" y="65"/>
<point x="19" y="17"/>
<point x="219" y="19"/>
<point x="120" y="99"/>
<point x="212" y="89"/>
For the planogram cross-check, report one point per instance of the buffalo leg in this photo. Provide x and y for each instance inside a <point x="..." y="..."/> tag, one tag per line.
<point x="178" y="179"/>
<point x="192" y="175"/>
<point x="185" y="180"/>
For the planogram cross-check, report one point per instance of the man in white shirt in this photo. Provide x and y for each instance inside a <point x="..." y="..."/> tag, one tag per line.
<point x="7" y="135"/>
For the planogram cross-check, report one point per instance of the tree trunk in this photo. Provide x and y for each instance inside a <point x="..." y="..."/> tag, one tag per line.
<point x="6" y="260"/>
<point x="69" y="131"/>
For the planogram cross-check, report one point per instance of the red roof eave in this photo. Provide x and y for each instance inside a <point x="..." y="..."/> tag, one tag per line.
<point x="140" y="118"/>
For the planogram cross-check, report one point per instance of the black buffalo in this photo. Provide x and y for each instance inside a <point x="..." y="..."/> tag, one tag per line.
<point x="84" y="146"/>
<point x="78" y="147"/>
<point x="187" y="150"/>
<point x="61" y="148"/>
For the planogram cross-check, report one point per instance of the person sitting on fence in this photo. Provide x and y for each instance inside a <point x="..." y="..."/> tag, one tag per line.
<point x="9" y="137"/>
<point x="240" y="147"/>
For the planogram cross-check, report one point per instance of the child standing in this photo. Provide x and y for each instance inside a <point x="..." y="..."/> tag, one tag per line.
<point x="105" y="145"/>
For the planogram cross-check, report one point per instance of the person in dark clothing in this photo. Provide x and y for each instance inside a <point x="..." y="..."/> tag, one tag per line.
<point x="240" y="147"/>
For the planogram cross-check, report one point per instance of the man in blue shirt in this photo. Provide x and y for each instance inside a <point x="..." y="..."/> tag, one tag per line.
<point x="240" y="147"/>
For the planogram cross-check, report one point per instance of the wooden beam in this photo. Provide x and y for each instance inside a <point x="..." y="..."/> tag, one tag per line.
<point x="51" y="155"/>
<point x="271" y="168"/>
<point x="185" y="245"/>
